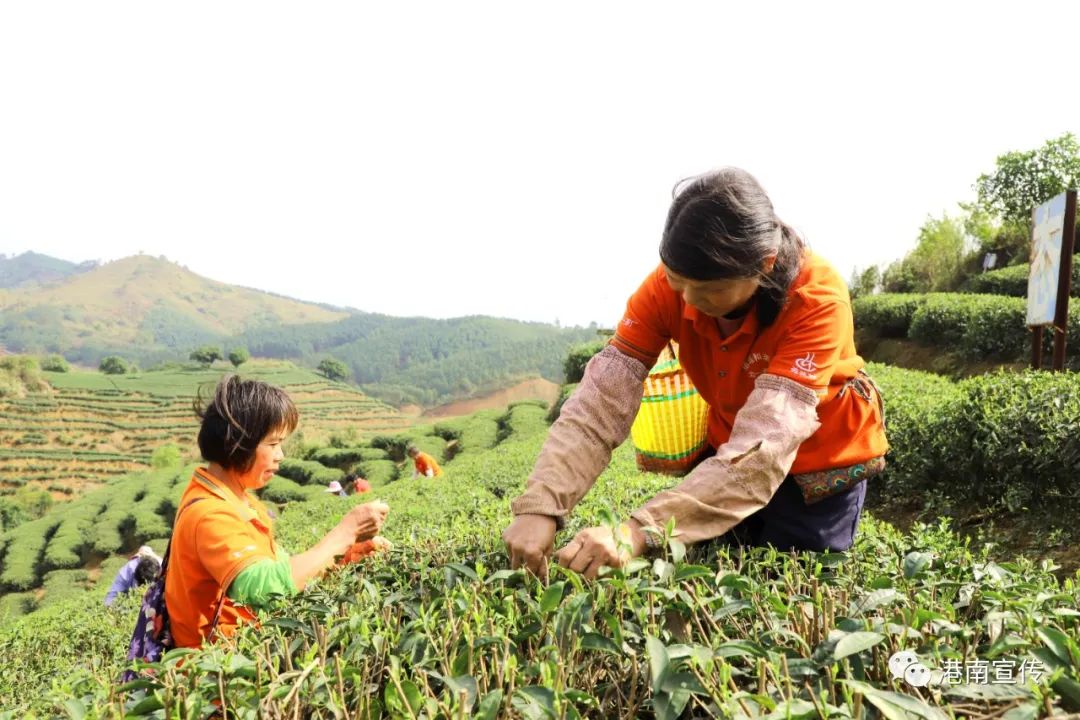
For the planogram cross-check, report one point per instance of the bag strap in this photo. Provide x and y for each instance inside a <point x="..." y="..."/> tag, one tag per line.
<point x="165" y="566"/>
<point x="168" y="546"/>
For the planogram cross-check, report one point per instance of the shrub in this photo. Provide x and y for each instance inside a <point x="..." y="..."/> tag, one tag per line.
<point x="1000" y="439"/>
<point x="474" y="433"/>
<point x="976" y="327"/>
<point x="378" y="472"/>
<point x="205" y="355"/>
<point x="21" y="563"/>
<point x="1017" y="434"/>
<point x="55" y="363"/>
<point x="18" y="375"/>
<point x="889" y="315"/>
<point x="65" y="548"/>
<point x="1013" y="281"/>
<point x="564" y="395"/>
<point x="308" y="472"/>
<point x="523" y="419"/>
<point x="113" y="365"/>
<point x="239" y="356"/>
<point x="940" y="320"/>
<point x="12" y="514"/>
<point x="914" y="402"/>
<point x="396" y="445"/>
<point x="344" y="457"/>
<point x="17" y="604"/>
<point x="283" y="490"/>
<point x="165" y="456"/>
<point x="334" y="369"/>
<point x="578" y="357"/>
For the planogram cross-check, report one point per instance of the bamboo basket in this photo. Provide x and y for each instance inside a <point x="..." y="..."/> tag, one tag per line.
<point x="669" y="433"/>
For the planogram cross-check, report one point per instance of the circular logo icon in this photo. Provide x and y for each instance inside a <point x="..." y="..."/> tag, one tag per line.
<point x="917" y="674"/>
<point x="899" y="662"/>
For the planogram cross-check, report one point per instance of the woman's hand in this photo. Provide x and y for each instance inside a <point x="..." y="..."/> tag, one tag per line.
<point x="359" y="525"/>
<point x="363" y="522"/>
<point x="597" y="547"/>
<point x="530" y="540"/>
<point x="364" y="548"/>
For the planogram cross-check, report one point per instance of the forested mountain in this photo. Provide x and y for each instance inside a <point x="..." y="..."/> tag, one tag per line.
<point x="144" y="308"/>
<point x="33" y="268"/>
<point x="423" y="360"/>
<point x="150" y="311"/>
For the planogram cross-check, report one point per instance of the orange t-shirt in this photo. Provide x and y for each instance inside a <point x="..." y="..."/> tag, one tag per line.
<point x="213" y="540"/>
<point x="425" y="462"/>
<point x="811" y="342"/>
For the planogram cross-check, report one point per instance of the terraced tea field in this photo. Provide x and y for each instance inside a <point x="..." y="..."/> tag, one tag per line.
<point x="92" y="427"/>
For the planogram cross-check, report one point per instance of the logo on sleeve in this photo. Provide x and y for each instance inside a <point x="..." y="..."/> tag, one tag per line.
<point x="805" y="367"/>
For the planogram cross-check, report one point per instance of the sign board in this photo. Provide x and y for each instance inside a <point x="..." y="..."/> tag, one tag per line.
<point x="1049" y="226"/>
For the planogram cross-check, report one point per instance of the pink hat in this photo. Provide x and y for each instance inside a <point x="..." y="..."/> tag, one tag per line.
<point x="334" y="487"/>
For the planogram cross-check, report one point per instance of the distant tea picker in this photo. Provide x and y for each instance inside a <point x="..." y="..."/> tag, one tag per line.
<point x="423" y="463"/>
<point x="765" y="332"/>
<point x="222" y="562"/>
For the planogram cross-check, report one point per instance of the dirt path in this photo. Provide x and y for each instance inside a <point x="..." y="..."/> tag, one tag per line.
<point x="532" y="389"/>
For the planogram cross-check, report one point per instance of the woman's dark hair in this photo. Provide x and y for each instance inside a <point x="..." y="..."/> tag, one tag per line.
<point x="721" y="226"/>
<point x="146" y="570"/>
<point x="237" y="418"/>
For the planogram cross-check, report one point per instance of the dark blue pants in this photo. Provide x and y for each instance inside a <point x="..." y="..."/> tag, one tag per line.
<point x="788" y="523"/>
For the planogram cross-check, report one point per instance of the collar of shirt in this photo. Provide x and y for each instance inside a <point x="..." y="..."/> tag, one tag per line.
<point x="706" y="325"/>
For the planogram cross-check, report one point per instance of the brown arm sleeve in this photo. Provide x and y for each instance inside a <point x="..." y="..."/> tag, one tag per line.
<point x="778" y="416"/>
<point x="593" y="422"/>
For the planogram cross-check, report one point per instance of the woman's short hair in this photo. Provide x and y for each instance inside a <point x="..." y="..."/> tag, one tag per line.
<point x="237" y="417"/>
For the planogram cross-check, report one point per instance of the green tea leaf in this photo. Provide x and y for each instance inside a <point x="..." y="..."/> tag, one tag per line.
<point x="595" y="641"/>
<point x="552" y="597"/>
<point x="856" y="642"/>
<point x="916" y="563"/>
<point x="659" y="663"/>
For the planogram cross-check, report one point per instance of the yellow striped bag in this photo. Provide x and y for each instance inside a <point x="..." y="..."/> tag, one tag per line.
<point x="670" y="429"/>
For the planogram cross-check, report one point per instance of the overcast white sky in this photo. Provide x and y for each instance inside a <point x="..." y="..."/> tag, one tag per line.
<point x="444" y="159"/>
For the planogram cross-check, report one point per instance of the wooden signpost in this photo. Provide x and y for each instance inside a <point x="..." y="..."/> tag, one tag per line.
<point x="1052" y="241"/>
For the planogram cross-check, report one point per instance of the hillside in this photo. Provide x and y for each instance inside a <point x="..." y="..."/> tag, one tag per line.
<point x="423" y="361"/>
<point x="151" y="311"/>
<point x="31" y="268"/>
<point x="91" y="427"/>
<point x="138" y="305"/>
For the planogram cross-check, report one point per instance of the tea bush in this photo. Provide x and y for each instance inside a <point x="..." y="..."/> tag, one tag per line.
<point x="1017" y="433"/>
<point x="283" y="490"/>
<point x="378" y="472"/>
<point x="473" y="433"/>
<point x="1013" y="281"/>
<point x="1002" y="439"/>
<point x="977" y="327"/>
<point x="342" y="458"/>
<point x="578" y="357"/>
<point x="442" y="628"/>
<point x="309" y="472"/>
<point x="888" y="314"/>
<point x="22" y="558"/>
